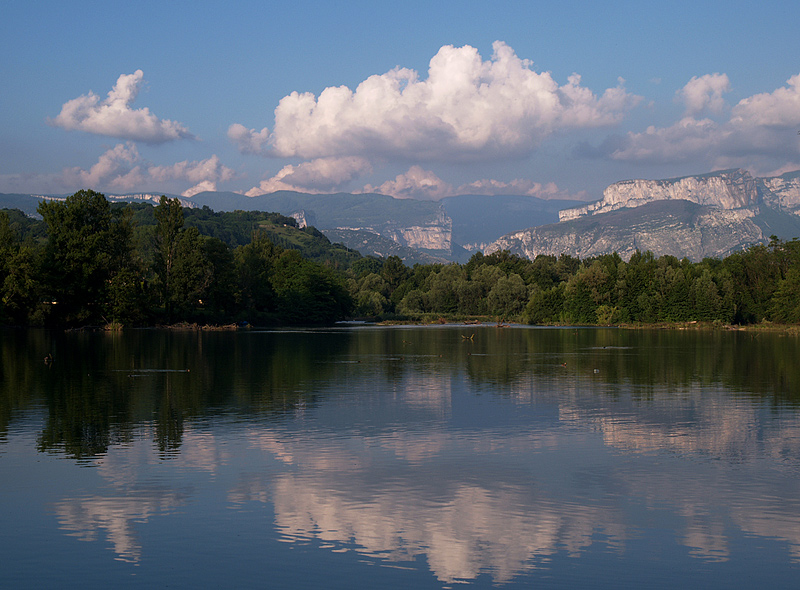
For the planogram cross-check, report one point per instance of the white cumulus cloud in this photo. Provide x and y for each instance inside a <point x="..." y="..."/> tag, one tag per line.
<point x="685" y="140"/>
<point x="117" y="169"/>
<point x="114" y="116"/>
<point x="466" y="109"/>
<point x="779" y="109"/>
<point x="204" y="173"/>
<point x="200" y="187"/>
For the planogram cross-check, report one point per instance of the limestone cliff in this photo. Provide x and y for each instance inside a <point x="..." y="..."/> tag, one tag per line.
<point x="728" y="189"/>
<point x="435" y="235"/>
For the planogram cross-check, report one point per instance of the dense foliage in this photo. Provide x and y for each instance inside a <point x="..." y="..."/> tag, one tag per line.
<point x="90" y="263"/>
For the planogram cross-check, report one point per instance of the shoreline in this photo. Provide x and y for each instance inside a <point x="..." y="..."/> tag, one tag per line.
<point x="793" y="329"/>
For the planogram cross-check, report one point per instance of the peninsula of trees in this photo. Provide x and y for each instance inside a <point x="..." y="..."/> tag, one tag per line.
<point x="90" y="263"/>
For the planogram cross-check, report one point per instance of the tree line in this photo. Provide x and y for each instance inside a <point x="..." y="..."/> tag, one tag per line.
<point x="90" y="263"/>
<point x="758" y="284"/>
<point x="98" y="265"/>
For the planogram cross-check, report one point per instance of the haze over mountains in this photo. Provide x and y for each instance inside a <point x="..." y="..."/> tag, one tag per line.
<point x="694" y="217"/>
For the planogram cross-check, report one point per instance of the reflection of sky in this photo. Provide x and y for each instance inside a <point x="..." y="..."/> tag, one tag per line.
<point x="408" y="476"/>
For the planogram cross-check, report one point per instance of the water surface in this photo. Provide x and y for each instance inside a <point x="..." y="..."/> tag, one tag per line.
<point x="368" y="457"/>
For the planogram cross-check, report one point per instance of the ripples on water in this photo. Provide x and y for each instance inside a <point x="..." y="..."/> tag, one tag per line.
<point x="401" y="457"/>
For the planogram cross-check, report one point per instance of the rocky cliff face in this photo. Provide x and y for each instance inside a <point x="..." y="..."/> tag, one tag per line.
<point x="782" y="192"/>
<point x="434" y="234"/>
<point x="731" y="189"/>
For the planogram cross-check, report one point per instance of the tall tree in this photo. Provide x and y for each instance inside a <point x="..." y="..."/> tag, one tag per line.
<point x="87" y="245"/>
<point x="254" y="263"/>
<point x="169" y="223"/>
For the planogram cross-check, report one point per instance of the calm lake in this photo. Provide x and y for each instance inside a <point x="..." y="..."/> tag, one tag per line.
<point x="400" y="457"/>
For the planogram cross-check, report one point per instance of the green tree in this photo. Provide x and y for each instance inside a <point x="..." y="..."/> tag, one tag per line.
<point x="190" y="276"/>
<point x="590" y="287"/>
<point x="705" y="300"/>
<point x="87" y="246"/>
<point x="442" y="296"/>
<point x="169" y="224"/>
<point x="254" y="266"/>
<point x="509" y="296"/>
<point x="413" y="303"/>
<point x="785" y="304"/>
<point x="308" y="293"/>
<point x="371" y="295"/>
<point x="220" y="293"/>
<point x="546" y="306"/>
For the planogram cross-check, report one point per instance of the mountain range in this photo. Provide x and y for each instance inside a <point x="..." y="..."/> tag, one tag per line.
<point x="417" y="231"/>
<point x="706" y="215"/>
<point x="694" y="217"/>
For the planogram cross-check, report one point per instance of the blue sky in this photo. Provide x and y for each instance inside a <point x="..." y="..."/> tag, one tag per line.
<point x="414" y="99"/>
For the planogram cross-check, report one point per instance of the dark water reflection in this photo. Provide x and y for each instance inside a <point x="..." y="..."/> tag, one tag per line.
<point x="400" y="457"/>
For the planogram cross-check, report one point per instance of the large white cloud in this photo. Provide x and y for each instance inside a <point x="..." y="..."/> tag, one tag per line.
<point x="466" y="109"/>
<point x="249" y="141"/>
<point x="519" y="186"/>
<point x="118" y="169"/>
<point x="760" y="133"/>
<point x="114" y="116"/>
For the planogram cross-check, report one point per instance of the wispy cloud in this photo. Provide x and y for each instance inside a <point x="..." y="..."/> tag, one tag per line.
<point x="418" y="183"/>
<point x="317" y="176"/>
<point x="466" y="109"/>
<point x="122" y="169"/>
<point x="114" y="117"/>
